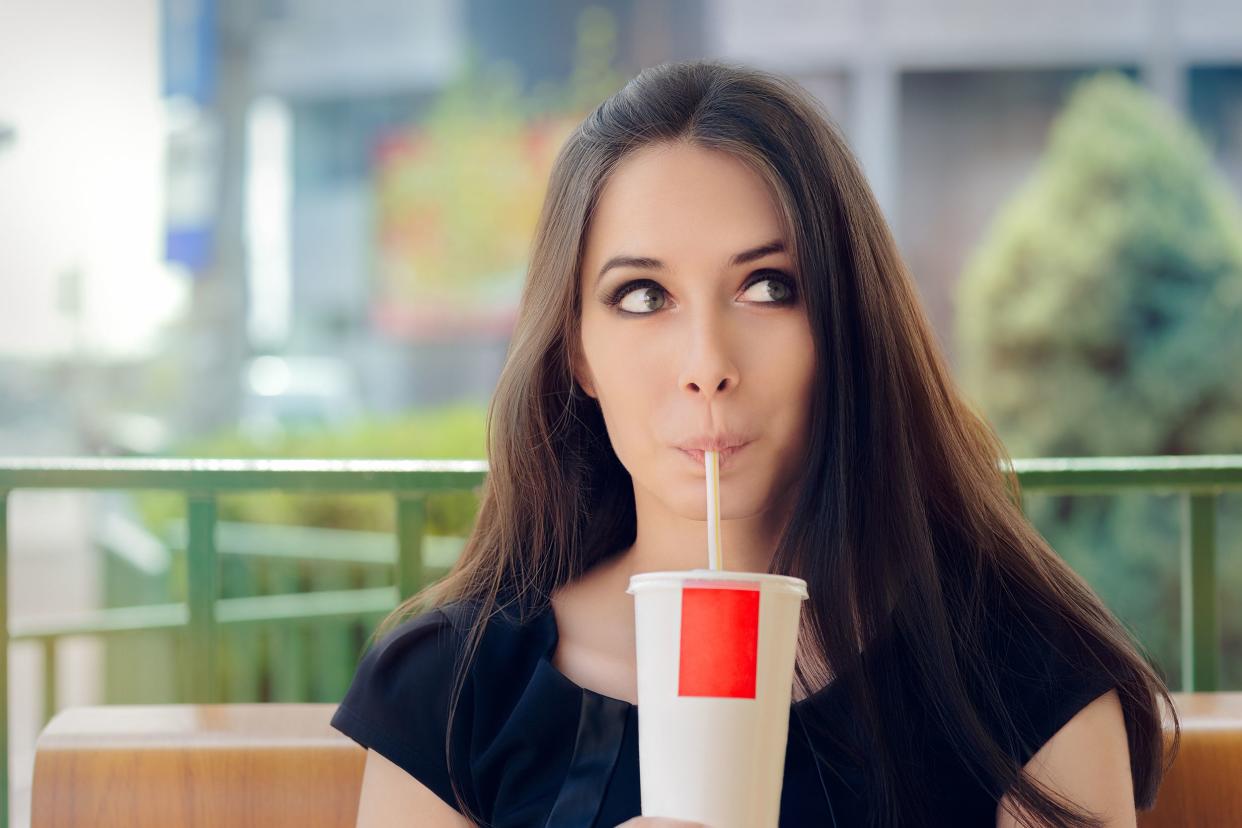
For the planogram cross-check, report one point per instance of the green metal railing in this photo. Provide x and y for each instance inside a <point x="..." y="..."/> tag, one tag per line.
<point x="410" y="483"/>
<point x="146" y="564"/>
<point x="1197" y="480"/>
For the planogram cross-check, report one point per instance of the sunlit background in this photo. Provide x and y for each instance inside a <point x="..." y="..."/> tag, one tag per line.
<point x="299" y="228"/>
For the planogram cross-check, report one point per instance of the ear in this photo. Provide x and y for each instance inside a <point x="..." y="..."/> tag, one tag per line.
<point x="588" y="387"/>
<point x="581" y="372"/>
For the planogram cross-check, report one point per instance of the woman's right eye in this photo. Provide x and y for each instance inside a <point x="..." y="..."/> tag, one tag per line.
<point x="650" y="297"/>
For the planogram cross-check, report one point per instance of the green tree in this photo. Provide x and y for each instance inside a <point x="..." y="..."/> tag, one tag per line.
<point x="1102" y="315"/>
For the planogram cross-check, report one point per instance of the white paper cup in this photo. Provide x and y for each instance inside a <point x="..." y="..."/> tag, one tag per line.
<point x="715" y="654"/>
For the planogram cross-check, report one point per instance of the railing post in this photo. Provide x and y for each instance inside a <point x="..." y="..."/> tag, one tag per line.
<point x="1200" y="631"/>
<point x="4" y="658"/>
<point x="411" y="518"/>
<point x="49" y="679"/>
<point x="202" y="575"/>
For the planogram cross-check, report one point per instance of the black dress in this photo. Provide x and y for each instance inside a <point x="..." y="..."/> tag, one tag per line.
<point x="532" y="748"/>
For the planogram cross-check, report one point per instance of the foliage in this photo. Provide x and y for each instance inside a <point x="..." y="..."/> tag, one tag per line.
<point x="1102" y="315"/>
<point x="452" y="432"/>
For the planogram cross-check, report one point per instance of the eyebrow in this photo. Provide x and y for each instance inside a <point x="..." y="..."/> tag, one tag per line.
<point x="647" y="263"/>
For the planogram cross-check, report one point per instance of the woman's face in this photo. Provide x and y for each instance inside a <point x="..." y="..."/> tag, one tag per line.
<point x="697" y="344"/>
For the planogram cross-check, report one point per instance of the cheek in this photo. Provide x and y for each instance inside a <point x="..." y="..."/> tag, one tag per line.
<point x="791" y="379"/>
<point x="785" y="359"/>
<point x="624" y="360"/>
<point x="626" y="387"/>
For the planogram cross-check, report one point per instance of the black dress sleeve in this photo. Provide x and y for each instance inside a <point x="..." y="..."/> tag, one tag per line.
<point x="397" y="704"/>
<point x="1049" y="674"/>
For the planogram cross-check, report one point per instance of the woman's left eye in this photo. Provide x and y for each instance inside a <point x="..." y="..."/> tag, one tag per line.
<point x="783" y="289"/>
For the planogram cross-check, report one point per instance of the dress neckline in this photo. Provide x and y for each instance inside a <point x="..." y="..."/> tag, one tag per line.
<point x="551" y="631"/>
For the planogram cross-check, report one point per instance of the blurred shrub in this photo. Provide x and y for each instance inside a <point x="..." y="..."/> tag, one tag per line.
<point x="449" y="433"/>
<point x="1102" y="315"/>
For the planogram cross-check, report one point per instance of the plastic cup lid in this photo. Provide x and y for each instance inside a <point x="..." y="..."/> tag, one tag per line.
<point x="657" y="580"/>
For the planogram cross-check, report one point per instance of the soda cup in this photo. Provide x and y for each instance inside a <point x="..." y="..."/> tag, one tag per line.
<point x="715" y="659"/>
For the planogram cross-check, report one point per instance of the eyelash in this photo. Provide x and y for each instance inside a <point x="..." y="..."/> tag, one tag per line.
<point x="614" y="298"/>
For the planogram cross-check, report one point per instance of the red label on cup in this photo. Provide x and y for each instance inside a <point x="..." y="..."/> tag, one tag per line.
<point x="719" y="641"/>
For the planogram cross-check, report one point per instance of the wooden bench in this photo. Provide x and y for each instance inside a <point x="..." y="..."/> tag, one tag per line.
<point x="277" y="765"/>
<point x="1201" y="789"/>
<point x="161" y="765"/>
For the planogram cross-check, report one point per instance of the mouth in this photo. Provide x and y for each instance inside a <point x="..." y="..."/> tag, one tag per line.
<point x="727" y="457"/>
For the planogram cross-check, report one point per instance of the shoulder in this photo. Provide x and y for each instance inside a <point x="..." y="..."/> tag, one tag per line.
<point x="413" y="659"/>
<point x="1087" y="761"/>
<point x="1048" y="669"/>
<point x="425" y="650"/>
<point x="398" y="703"/>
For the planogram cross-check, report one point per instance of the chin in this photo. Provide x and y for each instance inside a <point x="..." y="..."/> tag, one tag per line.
<point x="691" y="503"/>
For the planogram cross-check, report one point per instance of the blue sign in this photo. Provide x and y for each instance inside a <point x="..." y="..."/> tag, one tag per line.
<point x="188" y="46"/>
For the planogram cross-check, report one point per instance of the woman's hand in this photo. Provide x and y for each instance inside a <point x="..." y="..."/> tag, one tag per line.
<point x="659" y="822"/>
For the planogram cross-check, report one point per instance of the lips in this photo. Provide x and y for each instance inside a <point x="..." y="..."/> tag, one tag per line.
<point x="726" y="459"/>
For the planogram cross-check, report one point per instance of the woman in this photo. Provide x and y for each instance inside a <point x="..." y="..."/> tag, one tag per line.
<point x="711" y="270"/>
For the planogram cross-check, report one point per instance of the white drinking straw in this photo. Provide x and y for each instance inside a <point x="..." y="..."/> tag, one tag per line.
<point x="715" y="557"/>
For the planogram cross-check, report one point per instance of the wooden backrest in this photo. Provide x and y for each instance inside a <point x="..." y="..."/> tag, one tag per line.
<point x="270" y="765"/>
<point x="276" y="765"/>
<point x="1204" y="785"/>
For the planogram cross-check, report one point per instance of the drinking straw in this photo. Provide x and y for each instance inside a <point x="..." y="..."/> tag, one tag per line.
<point x="715" y="555"/>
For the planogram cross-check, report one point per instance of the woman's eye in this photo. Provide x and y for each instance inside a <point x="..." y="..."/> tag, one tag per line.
<point x="649" y="296"/>
<point x="778" y="290"/>
<point x="647" y="301"/>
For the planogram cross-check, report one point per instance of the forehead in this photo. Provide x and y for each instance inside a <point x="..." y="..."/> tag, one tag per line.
<point x="678" y="200"/>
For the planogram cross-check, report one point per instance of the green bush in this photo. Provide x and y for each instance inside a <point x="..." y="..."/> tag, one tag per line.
<point x="1102" y="315"/>
<point x="449" y="433"/>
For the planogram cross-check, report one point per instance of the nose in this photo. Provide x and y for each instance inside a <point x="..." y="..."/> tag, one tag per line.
<point x="709" y="368"/>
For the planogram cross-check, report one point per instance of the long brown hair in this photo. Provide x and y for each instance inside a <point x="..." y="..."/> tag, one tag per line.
<point x="906" y="489"/>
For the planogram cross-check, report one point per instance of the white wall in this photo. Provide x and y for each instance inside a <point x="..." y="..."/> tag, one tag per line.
<point x="81" y="184"/>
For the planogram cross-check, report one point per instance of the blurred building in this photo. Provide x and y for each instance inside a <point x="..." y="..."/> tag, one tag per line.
<point x="342" y="77"/>
<point x="947" y="103"/>
<point x="275" y="112"/>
